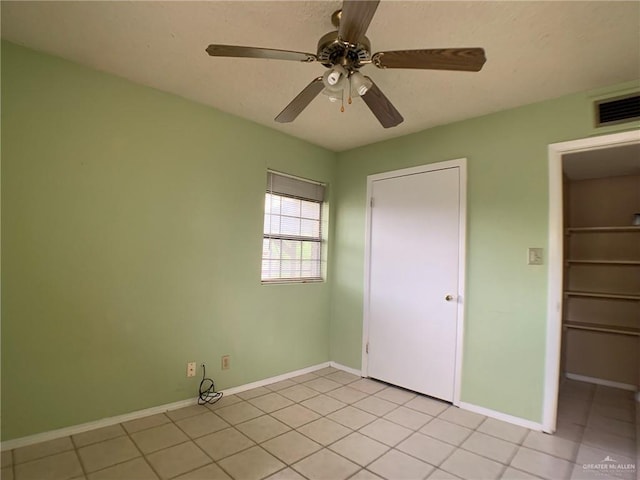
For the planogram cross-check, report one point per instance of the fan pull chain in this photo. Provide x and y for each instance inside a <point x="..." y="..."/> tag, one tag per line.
<point x="342" y="106"/>
<point x="349" y="98"/>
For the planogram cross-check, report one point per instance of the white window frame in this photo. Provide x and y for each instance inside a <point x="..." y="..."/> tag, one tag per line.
<point x="290" y="186"/>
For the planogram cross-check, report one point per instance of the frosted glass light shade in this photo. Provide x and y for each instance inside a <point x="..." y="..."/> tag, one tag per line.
<point x="359" y="83"/>
<point x="333" y="95"/>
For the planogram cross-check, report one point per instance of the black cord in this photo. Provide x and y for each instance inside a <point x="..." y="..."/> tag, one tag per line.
<point x="207" y="391"/>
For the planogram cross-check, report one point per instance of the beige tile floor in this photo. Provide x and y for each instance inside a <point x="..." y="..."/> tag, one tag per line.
<point x="333" y="425"/>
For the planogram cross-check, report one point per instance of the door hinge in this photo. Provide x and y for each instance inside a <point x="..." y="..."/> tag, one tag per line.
<point x="371" y="202"/>
<point x="367" y="348"/>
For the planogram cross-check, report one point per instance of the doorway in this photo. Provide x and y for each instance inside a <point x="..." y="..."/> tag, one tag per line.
<point x="557" y="153"/>
<point x="414" y="278"/>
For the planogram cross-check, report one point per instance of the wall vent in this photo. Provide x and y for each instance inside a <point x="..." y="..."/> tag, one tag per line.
<point x="618" y="110"/>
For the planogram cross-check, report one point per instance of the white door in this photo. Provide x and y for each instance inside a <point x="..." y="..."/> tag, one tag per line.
<point x="413" y="280"/>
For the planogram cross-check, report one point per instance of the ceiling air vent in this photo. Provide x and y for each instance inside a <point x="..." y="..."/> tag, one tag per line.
<point x="618" y="110"/>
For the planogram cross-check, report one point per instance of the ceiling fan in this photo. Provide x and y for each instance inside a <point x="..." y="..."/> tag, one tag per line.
<point x="347" y="50"/>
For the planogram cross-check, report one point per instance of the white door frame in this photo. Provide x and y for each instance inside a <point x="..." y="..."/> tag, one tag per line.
<point x="556" y="252"/>
<point x="461" y="164"/>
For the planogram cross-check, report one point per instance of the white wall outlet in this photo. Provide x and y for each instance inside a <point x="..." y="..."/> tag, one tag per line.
<point x="226" y="362"/>
<point x="535" y="256"/>
<point x="191" y="369"/>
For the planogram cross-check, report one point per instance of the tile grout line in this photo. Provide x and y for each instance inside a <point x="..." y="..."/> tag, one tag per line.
<point x="292" y="429"/>
<point x="144" y="457"/>
<point x="590" y="400"/>
<point x="322" y="447"/>
<point x="635" y="439"/>
<point x="191" y="440"/>
<point x="142" y="454"/>
<point x="520" y="445"/>
<point x="457" y="447"/>
<point x="43" y="456"/>
<point x="77" y="452"/>
<point x="327" y="447"/>
<point x="127" y="435"/>
<point x="388" y="448"/>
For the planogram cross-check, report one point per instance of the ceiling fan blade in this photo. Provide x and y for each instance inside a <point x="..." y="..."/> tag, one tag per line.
<point x="255" y="52"/>
<point x="381" y="107"/>
<point x="298" y="104"/>
<point x="355" y="19"/>
<point x="463" y="59"/>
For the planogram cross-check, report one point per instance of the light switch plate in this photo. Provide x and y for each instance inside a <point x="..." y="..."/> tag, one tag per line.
<point x="535" y="256"/>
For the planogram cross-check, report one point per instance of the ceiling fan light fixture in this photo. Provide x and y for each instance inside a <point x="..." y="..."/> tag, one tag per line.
<point x="334" y="96"/>
<point x="335" y="77"/>
<point x="359" y="83"/>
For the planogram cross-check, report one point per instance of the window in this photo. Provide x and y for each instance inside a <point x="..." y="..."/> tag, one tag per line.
<point x="292" y="242"/>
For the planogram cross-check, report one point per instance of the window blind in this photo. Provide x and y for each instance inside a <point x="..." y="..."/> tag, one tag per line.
<point x="292" y="243"/>
<point x="280" y="184"/>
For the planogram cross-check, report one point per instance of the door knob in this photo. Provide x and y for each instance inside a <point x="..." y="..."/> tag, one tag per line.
<point x="448" y="298"/>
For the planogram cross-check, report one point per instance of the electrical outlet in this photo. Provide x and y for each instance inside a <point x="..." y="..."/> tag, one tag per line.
<point x="535" y="256"/>
<point x="191" y="369"/>
<point x="226" y="362"/>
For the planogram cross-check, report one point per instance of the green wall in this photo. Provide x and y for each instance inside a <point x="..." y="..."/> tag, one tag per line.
<point x="132" y="236"/>
<point x="507" y="204"/>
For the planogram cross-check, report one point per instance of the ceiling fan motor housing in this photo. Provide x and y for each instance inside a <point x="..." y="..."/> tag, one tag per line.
<point x="333" y="51"/>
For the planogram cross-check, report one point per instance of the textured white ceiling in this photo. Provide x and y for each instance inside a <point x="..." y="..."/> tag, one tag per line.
<point x="535" y="51"/>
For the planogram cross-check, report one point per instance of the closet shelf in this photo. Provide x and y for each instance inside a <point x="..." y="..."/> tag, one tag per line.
<point x="597" y="327"/>
<point x="603" y="262"/>
<point x="615" y="296"/>
<point x="628" y="228"/>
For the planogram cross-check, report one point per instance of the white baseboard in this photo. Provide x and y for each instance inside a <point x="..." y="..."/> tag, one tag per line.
<point x="502" y="416"/>
<point x="278" y="378"/>
<point x="106" y="422"/>
<point x="472" y="408"/>
<point x="85" y="427"/>
<point x="346" y="369"/>
<point x="600" y="381"/>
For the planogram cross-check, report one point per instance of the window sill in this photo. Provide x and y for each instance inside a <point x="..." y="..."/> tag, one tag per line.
<point x="292" y="280"/>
